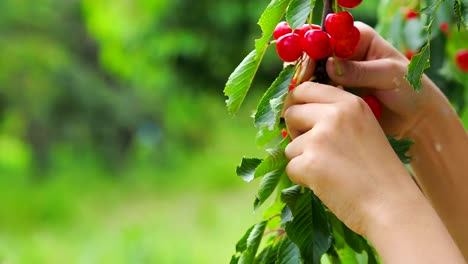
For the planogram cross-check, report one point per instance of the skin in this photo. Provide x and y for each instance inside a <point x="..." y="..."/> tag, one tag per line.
<point x="339" y="150"/>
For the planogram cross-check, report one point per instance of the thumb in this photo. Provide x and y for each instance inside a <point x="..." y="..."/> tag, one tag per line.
<point x="376" y="74"/>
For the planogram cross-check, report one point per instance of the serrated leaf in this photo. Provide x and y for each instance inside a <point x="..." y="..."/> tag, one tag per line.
<point x="289" y="196"/>
<point x="265" y="136"/>
<point x="267" y="186"/>
<point x="458" y="8"/>
<point x="309" y="229"/>
<point x="241" y="245"/>
<point x="275" y="160"/>
<point x="419" y="63"/>
<point x="240" y="81"/>
<point x="246" y="170"/>
<point x="298" y="12"/>
<point x="401" y="147"/>
<point x="350" y="246"/>
<point x="253" y="242"/>
<point x="272" y="15"/>
<point x="268" y="255"/>
<point x="288" y="253"/>
<point x="267" y="114"/>
<point x="234" y="259"/>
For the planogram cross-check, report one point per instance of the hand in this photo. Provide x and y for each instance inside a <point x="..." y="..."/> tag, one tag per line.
<point x="379" y="67"/>
<point x="341" y="153"/>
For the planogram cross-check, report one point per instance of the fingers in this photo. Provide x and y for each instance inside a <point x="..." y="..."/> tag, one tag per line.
<point x="371" y="45"/>
<point x="380" y="74"/>
<point x="310" y="92"/>
<point x="309" y="70"/>
<point x="301" y="118"/>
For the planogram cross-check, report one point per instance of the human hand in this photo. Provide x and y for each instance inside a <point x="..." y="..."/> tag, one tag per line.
<point x="340" y="152"/>
<point x="379" y="68"/>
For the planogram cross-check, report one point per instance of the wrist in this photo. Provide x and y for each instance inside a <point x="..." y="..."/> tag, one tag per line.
<point x="432" y="109"/>
<point x="412" y="232"/>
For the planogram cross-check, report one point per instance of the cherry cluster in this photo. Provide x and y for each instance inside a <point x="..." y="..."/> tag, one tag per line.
<point x="340" y="38"/>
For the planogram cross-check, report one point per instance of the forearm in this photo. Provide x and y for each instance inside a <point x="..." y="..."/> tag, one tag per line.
<point x="412" y="233"/>
<point x="440" y="164"/>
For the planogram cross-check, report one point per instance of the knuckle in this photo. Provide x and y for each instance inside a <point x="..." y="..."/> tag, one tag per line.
<point x="396" y="66"/>
<point x="357" y="105"/>
<point x="290" y="115"/>
<point x="336" y="113"/>
<point x="288" y="151"/>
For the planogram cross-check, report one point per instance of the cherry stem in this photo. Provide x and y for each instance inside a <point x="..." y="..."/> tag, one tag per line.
<point x="337" y="65"/>
<point x="327" y="9"/>
<point x="320" y="69"/>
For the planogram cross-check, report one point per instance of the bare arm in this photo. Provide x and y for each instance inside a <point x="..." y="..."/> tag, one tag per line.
<point x="441" y="165"/>
<point x="441" y="143"/>
<point x="341" y="153"/>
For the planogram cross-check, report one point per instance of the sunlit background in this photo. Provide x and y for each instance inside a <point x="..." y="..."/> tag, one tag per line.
<point x="115" y="145"/>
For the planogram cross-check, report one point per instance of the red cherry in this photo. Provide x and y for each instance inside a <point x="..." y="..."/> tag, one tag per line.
<point x="345" y="48"/>
<point x="317" y="44"/>
<point x="374" y="104"/>
<point x="289" y="47"/>
<point x="284" y="133"/>
<point x="410" y="53"/>
<point x="293" y="84"/>
<point x="339" y="25"/>
<point x="302" y="30"/>
<point x="444" y="26"/>
<point x="349" y="3"/>
<point x="411" y="15"/>
<point x="462" y="60"/>
<point x="281" y="29"/>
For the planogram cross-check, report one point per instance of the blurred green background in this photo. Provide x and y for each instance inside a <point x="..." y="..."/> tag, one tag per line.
<point x="115" y="145"/>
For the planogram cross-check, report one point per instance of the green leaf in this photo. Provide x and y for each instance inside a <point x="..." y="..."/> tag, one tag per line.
<point x="265" y="136"/>
<point x="267" y="186"/>
<point x="253" y="242"/>
<point x="401" y="147"/>
<point x="241" y="246"/>
<point x="271" y="170"/>
<point x="288" y="253"/>
<point x="268" y="114"/>
<point x="275" y="160"/>
<point x="268" y="255"/>
<point x="419" y="63"/>
<point x="234" y="259"/>
<point x="310" y="229"/>
<point x="458" y="8"/>
<point x="298" y="12"/>
<point x="272" y="15"/>
<point x="240" y="81"/>
<point x="350" y="246"/>
<point x="289" y="196"/>
<point x="246" y="170"/>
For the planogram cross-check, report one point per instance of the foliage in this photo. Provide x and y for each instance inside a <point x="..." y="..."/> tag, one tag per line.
<point x="307" y="231"/>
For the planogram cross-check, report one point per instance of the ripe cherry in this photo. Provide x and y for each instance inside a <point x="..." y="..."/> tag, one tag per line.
<point x="289" y="47"/>
<point x="462" y="60"/>
<point x="302" y="30"/>
<point x="410" y="14"/>
<point x="281" y="29"/>
<point x="339" y="25"/>
<point x="345" y="48"/>
<point x="349" y="3"/>
<point x="410" y="53"/>
<point x="284" y="133"/>
<point x="317" y="44"/>
<point x="444" y="26"/>
<point x="293" y="84"/>
<point x="374" y="104"/>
